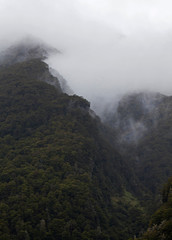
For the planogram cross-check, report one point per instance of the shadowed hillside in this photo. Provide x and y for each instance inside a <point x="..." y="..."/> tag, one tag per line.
<point x="143" y="126"/>
<point x="60" y="177"/>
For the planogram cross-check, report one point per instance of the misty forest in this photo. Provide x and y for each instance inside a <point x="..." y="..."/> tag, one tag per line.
<point x="85" y="120"/>
<point x="68" y="174"/>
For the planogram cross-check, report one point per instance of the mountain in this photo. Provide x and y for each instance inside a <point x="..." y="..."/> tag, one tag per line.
<point x="24" y="50"/>
<point x="61" y="176"/>
<point x="143" y="127"/>
<point x="136" y="114"/>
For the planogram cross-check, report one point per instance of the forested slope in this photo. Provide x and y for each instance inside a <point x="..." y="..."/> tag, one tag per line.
<point x="143" y="126"/>
<point x="59" y="177"/>
<point x="160" y="226"/>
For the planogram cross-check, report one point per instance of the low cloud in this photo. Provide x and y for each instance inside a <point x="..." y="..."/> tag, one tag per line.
<point x="108" y="47"/>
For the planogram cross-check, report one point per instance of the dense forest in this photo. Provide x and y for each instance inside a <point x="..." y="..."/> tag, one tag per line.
<point x="60" y="178"/>
<point x="143" y="126"/>
<point x="160" y="226"/>
<point x="63" y="173"/>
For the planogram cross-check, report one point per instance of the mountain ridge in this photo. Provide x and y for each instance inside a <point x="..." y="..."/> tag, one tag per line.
<point x="60" y="177"/>
<point x="26" y="49"/>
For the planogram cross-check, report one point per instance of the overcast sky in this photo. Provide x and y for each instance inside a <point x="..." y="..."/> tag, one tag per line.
<point x="108" y="46"/>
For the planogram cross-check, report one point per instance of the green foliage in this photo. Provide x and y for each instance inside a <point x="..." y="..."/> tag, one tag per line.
<point x="143" y="122"/>
<point x="160" y="227"/>
<point x="57" y="173"/>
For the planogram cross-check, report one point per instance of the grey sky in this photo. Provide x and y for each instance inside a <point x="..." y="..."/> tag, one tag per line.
<point x="109" y="46"/>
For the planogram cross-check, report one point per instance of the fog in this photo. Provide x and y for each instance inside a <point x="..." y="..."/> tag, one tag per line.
<point x="108" y="47"/>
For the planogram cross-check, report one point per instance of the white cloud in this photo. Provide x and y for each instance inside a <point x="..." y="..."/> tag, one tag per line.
<point x="109" y="46"/>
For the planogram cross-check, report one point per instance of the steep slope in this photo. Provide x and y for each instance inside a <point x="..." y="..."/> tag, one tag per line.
<point x="143" y="126"/>
<point x="154" y="150"/>
<point x="160" y="226"/>
<point x="26" y="49"/>
<point x="59" y="177"/>
<point x="136" y="114"/>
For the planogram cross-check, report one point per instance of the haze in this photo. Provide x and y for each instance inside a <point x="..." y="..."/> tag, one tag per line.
<point x="108" y="47"/>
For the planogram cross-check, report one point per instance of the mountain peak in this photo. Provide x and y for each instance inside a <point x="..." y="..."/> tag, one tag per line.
<point x="26" y="49"/>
